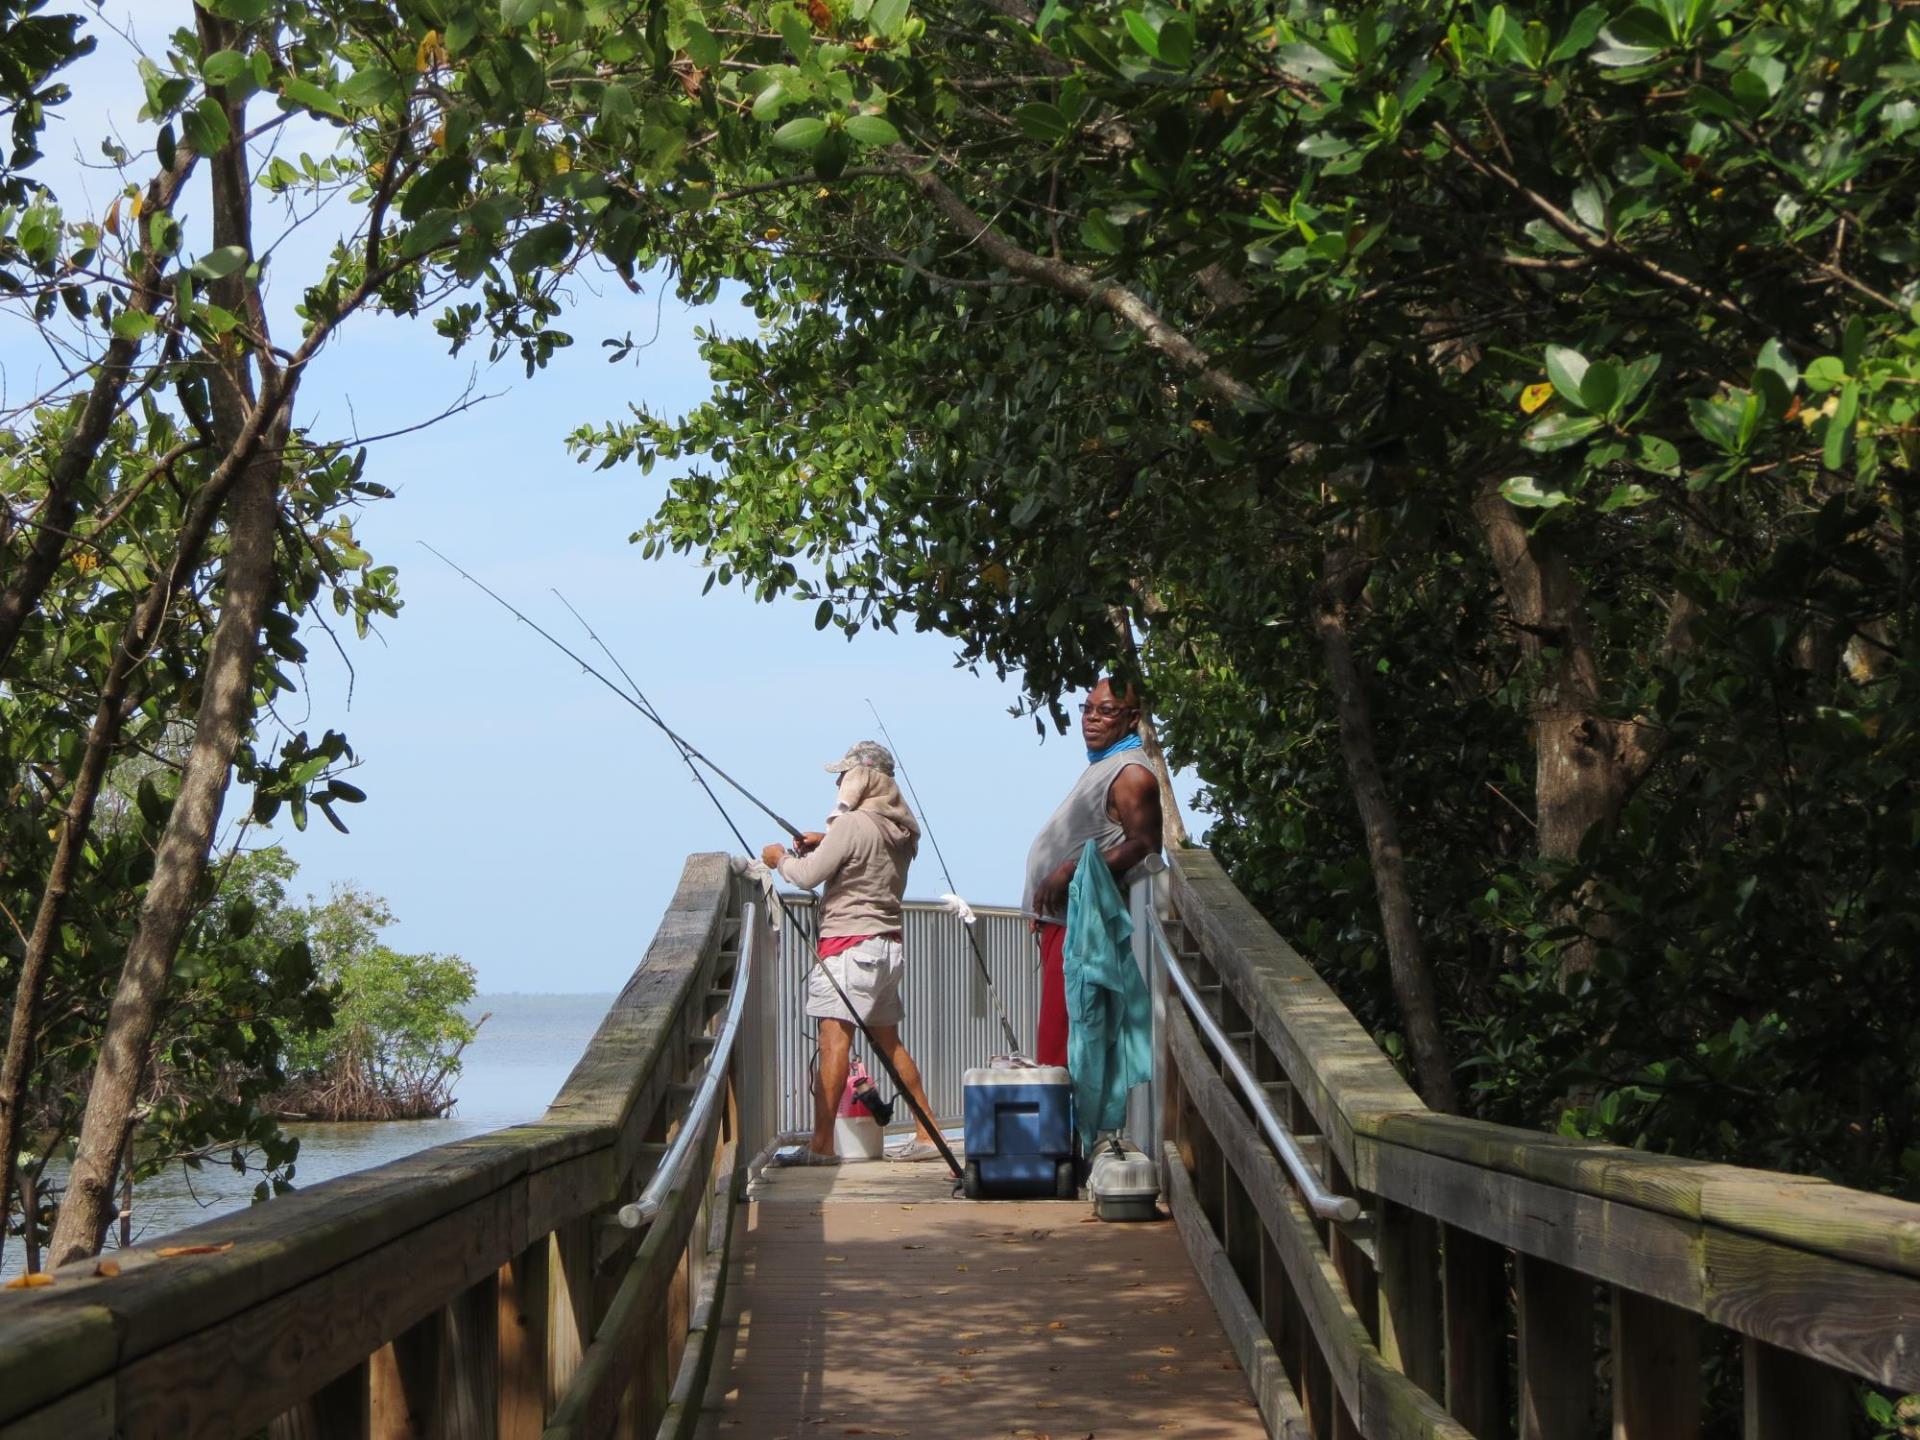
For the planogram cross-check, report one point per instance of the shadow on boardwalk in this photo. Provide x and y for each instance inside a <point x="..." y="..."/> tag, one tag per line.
<point x="867" y="1301"/>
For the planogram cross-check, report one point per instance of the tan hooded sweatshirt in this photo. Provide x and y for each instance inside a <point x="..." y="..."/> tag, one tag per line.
<point x="871" y="840"/>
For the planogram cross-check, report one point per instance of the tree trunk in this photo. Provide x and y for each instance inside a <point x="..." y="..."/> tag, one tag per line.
<point x="1585" y="764"/>
<point x="1413" y="989"/>
<point x="221" y="723"/>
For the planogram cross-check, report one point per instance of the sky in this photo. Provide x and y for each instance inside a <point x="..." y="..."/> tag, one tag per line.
<point x="518" y="814"/>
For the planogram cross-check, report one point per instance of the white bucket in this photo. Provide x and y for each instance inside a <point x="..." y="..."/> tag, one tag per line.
<point x="858" y="1137"/>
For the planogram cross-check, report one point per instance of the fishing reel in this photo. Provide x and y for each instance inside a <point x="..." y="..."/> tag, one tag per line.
<point x="867" y="1095"/>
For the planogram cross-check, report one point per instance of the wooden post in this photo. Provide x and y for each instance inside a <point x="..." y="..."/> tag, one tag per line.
<point x="1244" y="1233"/>
<point x="1408" y="1261"/>
<point x="522" y="1331"/>
<point x="338" y="1410"/>
<point x="407" y="1392"/>
<point x="472" y="1402"/>
<point x="1789" y="1397"/>
<point x="1356" y="1271"/>
<point x="1474" y="1282"/>
<point x="570" y="1304"/>
<point x="1656" y="1369"/>
<point x="1555" y="1319"/>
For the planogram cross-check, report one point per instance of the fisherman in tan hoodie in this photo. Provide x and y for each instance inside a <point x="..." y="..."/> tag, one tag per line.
<point x="870" y="840"/>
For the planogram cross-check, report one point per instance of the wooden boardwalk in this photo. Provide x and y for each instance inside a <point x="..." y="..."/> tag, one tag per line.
<point x="867" y="1301"/>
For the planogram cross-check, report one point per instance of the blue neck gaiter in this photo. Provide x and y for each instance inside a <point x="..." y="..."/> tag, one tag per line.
<point x="1132" y="742"/>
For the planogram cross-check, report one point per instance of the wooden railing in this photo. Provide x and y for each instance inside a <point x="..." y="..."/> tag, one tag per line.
<point x="478" y="1289"/>
<point x="1492" y="1268"/>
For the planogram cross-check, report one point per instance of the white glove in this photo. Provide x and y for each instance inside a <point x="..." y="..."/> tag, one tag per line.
<point x="954" y="905"/>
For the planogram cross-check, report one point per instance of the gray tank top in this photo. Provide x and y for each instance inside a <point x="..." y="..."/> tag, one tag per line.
<point x="1082" y="816"/>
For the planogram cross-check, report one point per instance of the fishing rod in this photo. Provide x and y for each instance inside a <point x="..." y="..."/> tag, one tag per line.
<point x="690" y="754"/>
<point x="973" y="939"/>
<point x="787" y="825"/>
<point x="652" y="714"/>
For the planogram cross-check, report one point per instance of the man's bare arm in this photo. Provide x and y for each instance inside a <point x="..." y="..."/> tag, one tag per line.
<point x="1134" y="801"/>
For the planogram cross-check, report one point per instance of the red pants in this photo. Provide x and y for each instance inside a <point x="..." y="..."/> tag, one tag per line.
<point x="1050" y="1037"/>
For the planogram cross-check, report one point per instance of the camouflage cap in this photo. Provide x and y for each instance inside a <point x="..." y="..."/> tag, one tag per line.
<point x="864" y="752"/>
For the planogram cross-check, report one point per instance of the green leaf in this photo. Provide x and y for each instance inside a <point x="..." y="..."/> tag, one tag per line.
<point x="1176" y="42"/>
<point x="886" y="18"/>
<point x="439" y="187"/>
<point x="218" y="264"/>
<point x="310" y="96"/>
<point x="1580" y="34"/>
<point x="431" y="231"/>
<point x="133" y="324"/>
<point x="1658" y="455"/>
<point x="872" y="130"/>
<point x="515" y="13"/>
<point x="244" y="11"/>
<point x="1827" y="372"/>
<point x="1099" y="233"/>
<point x="223" y="67"/>
<point x="1624" y="497"/>
<point x="546" y="245"/>
<point x="823" y="615"/>
<point x="1308" y="62"/>
<point x="371" y="88"/>
<point x="1042" y="121"/>
<point x="1143" y="32"/>
<point x="1526" y="491"/>
<point x="205" y="126"/>
<point x="830" y="156"/>
<point x="1556" y="432"/>
<point x="1717" y="421"/>
<point x="1567" y="369"/>
<point x="766" y="105"/>
<point x="1839" y="437"/>
<point x="702" y="47"/>
<point x="1600" y="387"/>
<point x="153" y="809"/>
<point x="803" y="132"/>
<point x="1634" y="378"/>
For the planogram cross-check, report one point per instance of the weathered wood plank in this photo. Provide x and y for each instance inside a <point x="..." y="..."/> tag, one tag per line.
<point x="1410" y="1307"/>
<point x="1656" y="1253"/>
<point x="1379" y="1398"/>
<point x="522" y="1331"/>
<point x="1474" y="1285"/>
<point x="1851" y="1316"/>
<point x="1788" y="1397"/>
<point x="473" y="1356"/>
<point x="1554" y="1314"/>
<point x="1246" y="1334"/>
<point x="407" y="1384"/>
<point x="83" y="1414"/>
<point x="338" y="1410"/>
<point x="569" y="1304"/>
<point x="234" y="1377"/>
<point x="1656" y="1369"/>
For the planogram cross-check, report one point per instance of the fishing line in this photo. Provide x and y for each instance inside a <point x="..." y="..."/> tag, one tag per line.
<point x="979" y="955"/>
<point x="689" y="753"/>
<point x="793" y="830"/>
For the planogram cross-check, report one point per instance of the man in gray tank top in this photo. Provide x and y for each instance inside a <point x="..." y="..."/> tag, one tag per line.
<point x="1116" y="804"/>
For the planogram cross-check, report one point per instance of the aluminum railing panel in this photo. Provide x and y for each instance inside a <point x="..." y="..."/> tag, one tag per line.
<point x="950" y="1023"/>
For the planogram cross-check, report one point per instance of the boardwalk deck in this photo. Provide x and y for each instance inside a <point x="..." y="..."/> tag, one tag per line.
<point x="868" y="1301"/>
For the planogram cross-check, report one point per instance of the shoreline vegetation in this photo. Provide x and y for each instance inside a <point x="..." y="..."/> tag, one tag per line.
<point x="361" y="1086"/>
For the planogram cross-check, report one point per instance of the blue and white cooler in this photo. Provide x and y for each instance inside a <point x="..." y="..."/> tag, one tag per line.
<point x="1019" y="1131"/>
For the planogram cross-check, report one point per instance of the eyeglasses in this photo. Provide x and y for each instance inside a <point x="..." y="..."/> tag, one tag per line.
<point x="1104" y="712"/>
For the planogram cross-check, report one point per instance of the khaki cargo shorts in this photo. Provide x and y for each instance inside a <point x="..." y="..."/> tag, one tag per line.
<point x="870" y="974"/>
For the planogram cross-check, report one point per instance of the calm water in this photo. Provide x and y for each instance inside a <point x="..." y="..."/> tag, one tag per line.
<point x="513" y="1068"/>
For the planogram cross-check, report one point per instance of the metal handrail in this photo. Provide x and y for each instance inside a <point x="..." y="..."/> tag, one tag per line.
<point x="1321" y="1201"/>
<point x="712" y="1081"/>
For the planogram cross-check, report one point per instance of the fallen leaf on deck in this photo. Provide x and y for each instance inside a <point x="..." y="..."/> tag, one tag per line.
<point x="836" y="1259"/>
<point x="968" y="1350"/>
<point x="167" y="1252"/>
<point x="1169" y="1350"/>
<point x="913" y="1247"/>
<point x="35" y="1281"/>
<point x="1056" y="1324"/>
<point x="968" y="1335"/>
<point x="961" y="1268"/>
<point x="1005" y="1269"/>
<point x="1140" y="1377"/>
<point x="107" y="1269"/>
